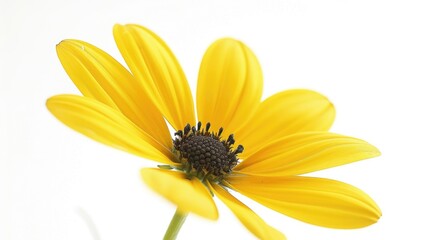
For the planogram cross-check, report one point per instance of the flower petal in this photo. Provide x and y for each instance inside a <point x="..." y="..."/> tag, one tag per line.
<point x="229" y="85"/>
<point x="317" y="201"/>
<point x="283" y="114"/>
<point x="160" y="75"/>
<point x="306" y="152"/>
<point x="188" y="195"/>
<point x="247" y="217"/>
<point x="99" y="76"/>
<point x="106" y="125"/>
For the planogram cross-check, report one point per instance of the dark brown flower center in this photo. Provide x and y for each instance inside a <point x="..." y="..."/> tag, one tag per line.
<point x="205" y="153"/>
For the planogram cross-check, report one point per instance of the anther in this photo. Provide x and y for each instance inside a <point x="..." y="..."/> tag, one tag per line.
<point x="207" y="127"/>
<point x="239" y="149"/>
<point x="187" y="129"/>
<point x="220" y="131"/>
<point x="231" y="139"/>
<point x="179" y="133"/>
<point x="199" y="126"/>
<point x="194" y="130"/>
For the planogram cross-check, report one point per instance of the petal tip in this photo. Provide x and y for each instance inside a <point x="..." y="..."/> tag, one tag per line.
<point x="117" y="25"/>
<point x="50" y="102"/>
<point x="58" y="44"/>
<point x="117" y="28"/>
<point x="377" y="152"/>
<point x="373" y="150"/>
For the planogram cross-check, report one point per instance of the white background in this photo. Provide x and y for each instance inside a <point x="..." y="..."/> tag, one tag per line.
<point x="370" y="58"/>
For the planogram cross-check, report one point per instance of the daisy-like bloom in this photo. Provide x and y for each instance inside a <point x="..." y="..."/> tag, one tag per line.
<point x="257" y="148"/>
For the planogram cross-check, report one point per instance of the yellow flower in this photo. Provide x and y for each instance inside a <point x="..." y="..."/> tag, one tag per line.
<point x="257" y="148"/>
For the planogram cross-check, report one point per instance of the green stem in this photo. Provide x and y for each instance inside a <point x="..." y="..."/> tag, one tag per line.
<point x="175" y="225"/>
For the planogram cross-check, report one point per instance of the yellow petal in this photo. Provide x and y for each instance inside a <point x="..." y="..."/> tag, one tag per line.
<point x="106" y="125"/>
<point x="188" y="195"/>
<point x="283" y="114"/>
<point x="247" y="217"/>
<point x="159" y="73"/>
<point x="229" y="85"/>
<point x="99" y="76"/>
<point x="306" y="152"/>
<point x="317" y="201"/>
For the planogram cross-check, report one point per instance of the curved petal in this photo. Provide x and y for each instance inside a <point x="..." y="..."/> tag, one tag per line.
<point x="306" y="152"/>
<point x="158" y="71"/>
<point x="317" y="201"/>
<point x="247" y="217"/>
<point x="229" y="85"/>
<point x="106" y="125"/>
<point x="283" y="114"/>
<point x="97" y="75"/>
<point x="188" y="195"/>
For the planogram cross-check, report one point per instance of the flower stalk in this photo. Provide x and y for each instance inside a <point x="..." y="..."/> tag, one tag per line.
<point x="175" y="225"/>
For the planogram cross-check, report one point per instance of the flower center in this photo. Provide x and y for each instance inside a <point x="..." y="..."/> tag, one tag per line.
<point x="204" y="153"/>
